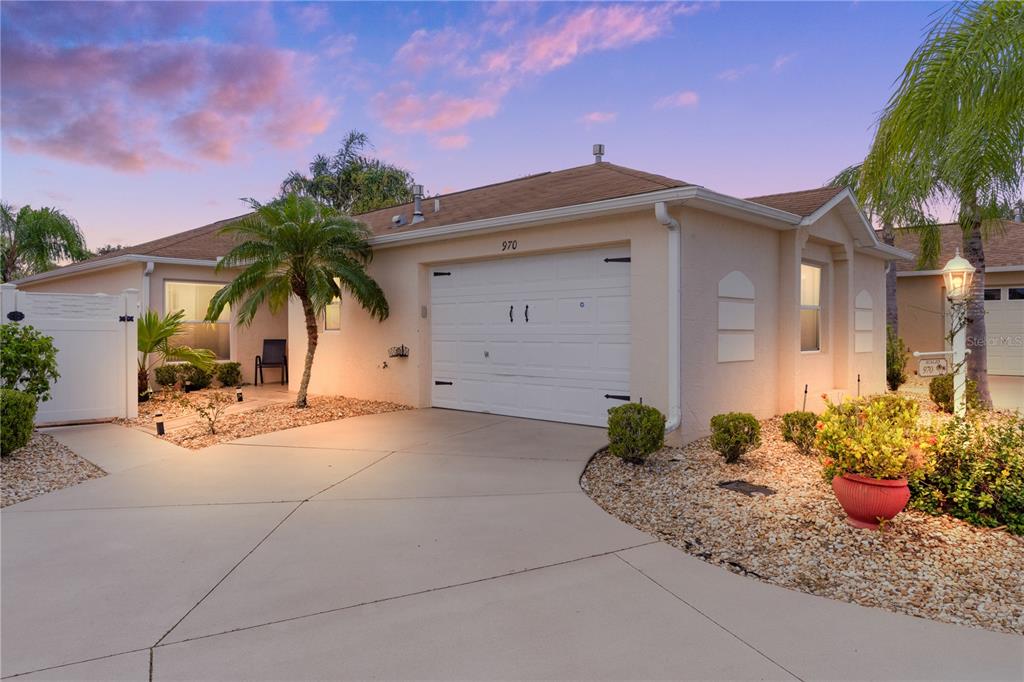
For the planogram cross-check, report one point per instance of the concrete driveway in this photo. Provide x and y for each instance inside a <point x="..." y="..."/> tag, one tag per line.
<point x="422" y="544"/>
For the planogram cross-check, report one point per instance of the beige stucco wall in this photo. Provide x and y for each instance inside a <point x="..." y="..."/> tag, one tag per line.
<point x="246" y="342"/>
<point x="351" y="361"/>
<point x="107" y="281"/>
<point x="920" y="300"/>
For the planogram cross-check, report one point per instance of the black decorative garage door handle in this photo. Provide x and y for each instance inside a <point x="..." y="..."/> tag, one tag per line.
<point x="510" y="312"/>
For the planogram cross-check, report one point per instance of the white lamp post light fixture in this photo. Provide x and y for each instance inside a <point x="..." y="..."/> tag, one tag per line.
<point x="957" y="275"/>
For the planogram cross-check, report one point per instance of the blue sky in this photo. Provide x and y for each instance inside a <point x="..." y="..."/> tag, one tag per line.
<point x="145" y="119"/>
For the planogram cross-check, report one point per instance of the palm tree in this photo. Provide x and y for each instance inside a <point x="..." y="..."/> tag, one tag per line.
<point x="297" y="246"/>
<point x="350" y="181"/>
<point x="155" y="334"/>
<point x="953" y="132"/>
<point x="35" y="240"/>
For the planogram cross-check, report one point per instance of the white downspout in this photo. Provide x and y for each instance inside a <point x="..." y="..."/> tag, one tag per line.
<point x="675" y="348"/>
<point x="146" y="272"/>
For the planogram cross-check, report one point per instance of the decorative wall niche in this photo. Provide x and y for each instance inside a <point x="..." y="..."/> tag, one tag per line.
<point x="864" y="323"/>
<point x="735" y="318"/>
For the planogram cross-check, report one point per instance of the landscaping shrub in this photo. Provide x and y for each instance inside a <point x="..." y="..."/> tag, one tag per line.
<point x="798" y="429"/>
<point x="940" y="389"/>
<point x="635" y="431"/>
<point x="978" y="473"/>
<point x="229" y="373"/>
<point x="895" y="359"/>
<point x="878" y="438"/>
<point x="195" y="378"/>
<point x="735" y="433"/>
<point x="28" y="360"/>
<point x="210" y="407"/>
<point x="167" y="375"/>
<point x="17" y="412"/>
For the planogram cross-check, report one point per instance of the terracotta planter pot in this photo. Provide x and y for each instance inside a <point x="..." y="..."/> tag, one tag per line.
<point x="869" y="500"/>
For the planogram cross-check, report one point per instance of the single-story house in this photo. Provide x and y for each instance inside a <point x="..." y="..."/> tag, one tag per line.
<point x="558" y="295"/>
<point x="922" y="306"/>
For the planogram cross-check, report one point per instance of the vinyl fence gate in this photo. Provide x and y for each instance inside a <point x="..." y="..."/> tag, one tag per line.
<point x="97" y="350"/>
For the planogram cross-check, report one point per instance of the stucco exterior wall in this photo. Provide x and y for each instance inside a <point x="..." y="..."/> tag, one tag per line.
<point x="108" y="281"/>
<point x="351" y="361"/>
<point x="714" y="246"/>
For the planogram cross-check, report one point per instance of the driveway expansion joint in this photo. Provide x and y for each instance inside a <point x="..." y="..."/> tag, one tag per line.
<point x="709" y="618"/>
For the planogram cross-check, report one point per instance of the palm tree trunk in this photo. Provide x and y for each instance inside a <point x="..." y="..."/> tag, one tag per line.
<point x="892" y="313"/>
<point x="977" y="360"/>
<point x="311" y="341"/>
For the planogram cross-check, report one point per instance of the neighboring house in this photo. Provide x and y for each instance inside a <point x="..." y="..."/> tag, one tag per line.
<point x="921" y="298"/>
<point x="558" y="295"/>
<point x="173" y="273"/>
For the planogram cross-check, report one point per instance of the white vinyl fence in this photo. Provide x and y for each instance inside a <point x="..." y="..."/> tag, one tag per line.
<point x="96" y="340"/>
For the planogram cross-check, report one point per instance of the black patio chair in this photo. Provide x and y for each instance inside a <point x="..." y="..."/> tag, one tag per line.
<point x="273" y="356"/>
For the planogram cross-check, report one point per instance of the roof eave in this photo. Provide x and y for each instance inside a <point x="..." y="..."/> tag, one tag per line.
<point x="115" y="261"/>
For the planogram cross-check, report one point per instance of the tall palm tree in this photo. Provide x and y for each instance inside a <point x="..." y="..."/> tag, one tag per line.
<point x="953" y="132"/>
<point x="297" y="246"/>
<point x="34" y="240"/>
<point x="350" y="181"/>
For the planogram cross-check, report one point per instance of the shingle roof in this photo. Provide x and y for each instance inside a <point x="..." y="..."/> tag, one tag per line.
<point x="200" y="243"/>
<point x="802" y="203"/>
<point x="1003" y="248"/>
<point x="580" y="185"/>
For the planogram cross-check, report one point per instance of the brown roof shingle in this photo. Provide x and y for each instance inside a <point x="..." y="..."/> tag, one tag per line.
<point x="1003" y="248"/>
<point x="580" y="185"/>
<point x="802" y="203"/>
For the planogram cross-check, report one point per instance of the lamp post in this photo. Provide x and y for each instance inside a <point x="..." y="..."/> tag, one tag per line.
<point x="957" y="275"/>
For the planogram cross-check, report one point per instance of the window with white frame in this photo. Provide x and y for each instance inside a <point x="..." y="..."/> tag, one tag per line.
<point x="332" y="313"/>
<point x="193" y="299"/>
<point x="810" y="307"/>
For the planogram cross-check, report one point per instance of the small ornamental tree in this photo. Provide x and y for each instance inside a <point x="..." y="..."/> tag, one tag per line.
<point x="28" y="360"/>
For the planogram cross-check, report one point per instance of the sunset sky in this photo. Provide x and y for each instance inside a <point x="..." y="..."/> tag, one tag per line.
<point x="141" y="120"/>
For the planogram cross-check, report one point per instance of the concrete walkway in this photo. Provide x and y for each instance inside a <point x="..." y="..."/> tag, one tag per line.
<point x="423" y="544"/>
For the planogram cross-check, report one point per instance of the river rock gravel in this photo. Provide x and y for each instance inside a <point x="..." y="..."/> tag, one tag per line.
<point x="934" y="567"/>
<point x="42" y="466"/>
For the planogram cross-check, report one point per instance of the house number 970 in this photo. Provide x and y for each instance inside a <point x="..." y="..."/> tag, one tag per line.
<point x="510" y="245"/>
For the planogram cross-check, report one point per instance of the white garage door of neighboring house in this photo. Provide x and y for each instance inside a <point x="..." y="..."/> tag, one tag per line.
<point x="1004" y="324"/>
<point x="546" y="337"/>
<point x="96" y="340"/>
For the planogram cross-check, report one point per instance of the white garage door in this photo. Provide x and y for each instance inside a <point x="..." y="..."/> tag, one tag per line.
<point x="545" y="337"/>
<point x="1004" y="324"/>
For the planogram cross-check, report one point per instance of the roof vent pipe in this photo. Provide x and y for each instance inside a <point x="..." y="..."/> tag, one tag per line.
<point x="598" y="153"/>
<point x="437" y="205"/>
<point x="417" y="203"/>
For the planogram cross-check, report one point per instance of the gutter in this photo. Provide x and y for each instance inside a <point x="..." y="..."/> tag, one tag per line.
<point x="675" y="348"/>
<point x="88" y="266"/>
<point x="929" y="273"/>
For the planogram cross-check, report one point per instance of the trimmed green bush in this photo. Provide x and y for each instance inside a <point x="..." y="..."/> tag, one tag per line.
<point x="167" y="375"/>
<point x="798" y="429"/>
<point x="895" y="359"/>
<point x="229" y="373"/>
<point x="940" y="390"/>
<point x="195" y="378"/>
<point x="28" y="360"/>
<point x="17" y="412"/>
<point x="977" y="474"/>
<point x="735" y="433"/>
<point x="635" y="431"/>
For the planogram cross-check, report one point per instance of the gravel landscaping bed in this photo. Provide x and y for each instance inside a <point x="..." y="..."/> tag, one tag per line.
<point x="935" y="567"/>
<point x="266" y="419"/>
<point x="42" y="466"/>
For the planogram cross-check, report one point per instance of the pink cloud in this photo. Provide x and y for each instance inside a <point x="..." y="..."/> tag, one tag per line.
<point x="338" y="45"/>
<point x="685" y="99"/>
<point x="196" y="98"/>
<point x="426" y="50"/>
<point x="452" y="142"/>
<point x="434" y="113"/>
<point x="598" y="117"/>
<point x="311" y="16"/>
<point x="781" y="61"/>
<point x="737" y="73"/>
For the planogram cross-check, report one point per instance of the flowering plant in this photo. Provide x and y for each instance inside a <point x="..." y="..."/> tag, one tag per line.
<point x="877" y="438"/>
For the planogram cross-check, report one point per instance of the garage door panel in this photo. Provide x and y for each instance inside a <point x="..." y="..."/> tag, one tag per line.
<point x="1004" y="326"/>
<point x="562" y="363"/>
